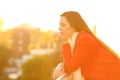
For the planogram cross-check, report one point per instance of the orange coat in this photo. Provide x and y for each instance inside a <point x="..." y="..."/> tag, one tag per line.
<point x="96" y="62"/>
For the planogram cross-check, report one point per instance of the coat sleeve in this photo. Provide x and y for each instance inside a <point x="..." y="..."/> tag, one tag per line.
<point x="81" y="54"/>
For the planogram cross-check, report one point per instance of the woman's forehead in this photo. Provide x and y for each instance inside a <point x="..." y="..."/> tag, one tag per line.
<point x="63" y="19"/>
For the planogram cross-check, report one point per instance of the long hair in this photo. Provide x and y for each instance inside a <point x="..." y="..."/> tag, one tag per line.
<point x="77" y="22"/>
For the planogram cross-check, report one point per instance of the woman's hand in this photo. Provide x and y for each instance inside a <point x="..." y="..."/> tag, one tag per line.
<point x="59" y="70"/>
<point x="60" y="37"/>
<point x="65" y="77"/>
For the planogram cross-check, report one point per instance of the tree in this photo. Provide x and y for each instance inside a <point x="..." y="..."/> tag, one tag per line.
<point x="5" y="55"/>
<point x="37" y="68"/>
<point x="40" y="67"/>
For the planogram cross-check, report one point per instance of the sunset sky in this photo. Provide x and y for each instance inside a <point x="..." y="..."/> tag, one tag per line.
<point x="104" y="14"/>
<point x="42" y="13"/>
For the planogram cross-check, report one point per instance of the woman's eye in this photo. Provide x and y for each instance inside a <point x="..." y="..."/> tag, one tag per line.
<point x="63" y="25"/>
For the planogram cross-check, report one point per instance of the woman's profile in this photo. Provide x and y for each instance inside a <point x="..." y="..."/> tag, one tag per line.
<point x="85" y="57"/>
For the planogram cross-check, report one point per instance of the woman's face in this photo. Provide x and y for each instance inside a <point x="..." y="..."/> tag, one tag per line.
<point x="65" y="28"/>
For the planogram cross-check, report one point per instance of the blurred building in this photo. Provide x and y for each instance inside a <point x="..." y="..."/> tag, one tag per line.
<point x="20" y="41"/>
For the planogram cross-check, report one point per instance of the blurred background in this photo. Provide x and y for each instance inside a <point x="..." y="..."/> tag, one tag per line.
<point x="28" y="49"/>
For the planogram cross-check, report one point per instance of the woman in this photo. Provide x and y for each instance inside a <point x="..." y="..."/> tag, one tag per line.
<point x="83" y="52"/>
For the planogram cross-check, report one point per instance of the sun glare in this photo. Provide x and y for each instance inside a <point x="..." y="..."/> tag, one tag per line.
<point x="45" y="14"/>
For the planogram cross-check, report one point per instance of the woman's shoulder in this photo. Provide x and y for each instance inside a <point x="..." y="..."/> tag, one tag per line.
<point x="84" y="34"/>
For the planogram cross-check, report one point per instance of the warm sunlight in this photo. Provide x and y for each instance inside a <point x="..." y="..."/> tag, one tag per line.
<point x="45" y="14"/>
